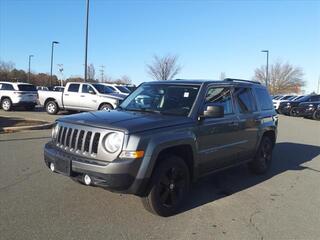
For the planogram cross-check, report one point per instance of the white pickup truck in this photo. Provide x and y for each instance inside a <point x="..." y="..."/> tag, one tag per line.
<point x="80" y="97"/>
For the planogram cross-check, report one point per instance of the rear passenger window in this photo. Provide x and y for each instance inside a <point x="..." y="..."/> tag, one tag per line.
<point x="245" y="100"/>
<point x="73" y="88"/>
<point x="220" y="96"/>
<point x="264" y="99"/>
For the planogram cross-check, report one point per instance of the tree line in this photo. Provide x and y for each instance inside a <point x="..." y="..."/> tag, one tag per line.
<point x="283" y="77"/>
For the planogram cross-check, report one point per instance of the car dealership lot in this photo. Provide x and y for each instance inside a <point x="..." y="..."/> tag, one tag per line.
<point x="234" y="204"/>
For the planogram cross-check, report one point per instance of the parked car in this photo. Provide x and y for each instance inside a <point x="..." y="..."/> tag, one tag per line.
<point x="291" y="107"/>
<point x="118" y="88"/>
<point x="58" y="89"/>
<point x="80" y="97"/>
<point x="17" y="94"/>
<point x="155" y="148"/>
<point x="308" y="110"/>
<point x="276" y="102"/>
<point x="42" y="88"/>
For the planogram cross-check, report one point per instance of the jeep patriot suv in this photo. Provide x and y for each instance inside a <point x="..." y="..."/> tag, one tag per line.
<point x="164" y="136"/>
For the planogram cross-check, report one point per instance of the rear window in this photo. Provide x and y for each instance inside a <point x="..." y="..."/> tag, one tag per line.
<point x="264" y="99"/>
<point x="27" y="88"/>
<point x="73" y="88"/>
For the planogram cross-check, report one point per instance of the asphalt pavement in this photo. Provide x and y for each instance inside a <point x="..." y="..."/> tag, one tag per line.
<point x="284" y="204"/>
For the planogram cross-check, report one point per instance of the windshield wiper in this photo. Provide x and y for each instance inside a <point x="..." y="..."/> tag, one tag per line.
<point x="141" y="110"/>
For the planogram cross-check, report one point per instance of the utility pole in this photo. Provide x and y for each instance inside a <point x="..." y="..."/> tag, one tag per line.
<point x="30" y="56"/>
<point x="52" y="46"/>
<point x="86" y="44"/>
<point x="60" y="68"/>
<point x="267" y="67"/>
<point x="102" y="72"/>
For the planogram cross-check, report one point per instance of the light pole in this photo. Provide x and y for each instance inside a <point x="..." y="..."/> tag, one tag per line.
<point x="267" y="67"/>
<point x="86" y="44"/>
<point x="52" y="45"/>
<point x="30" y="56"/>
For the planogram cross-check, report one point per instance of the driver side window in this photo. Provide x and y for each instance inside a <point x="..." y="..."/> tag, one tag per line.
<point x="87" y="88"/>
<point x="220" y="96"/>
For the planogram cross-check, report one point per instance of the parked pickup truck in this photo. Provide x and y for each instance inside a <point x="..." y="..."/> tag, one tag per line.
<point x="165" y="135"/>
<point x="80" y="97"/>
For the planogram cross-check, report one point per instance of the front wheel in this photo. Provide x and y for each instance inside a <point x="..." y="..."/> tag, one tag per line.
<point x="262" y="161"/>
<point x="294" y="112"/>
<point x="52" y="107"/>
<point x="169" y="187"/>
<point x="6" y="104"/>
<point x="106" y="107"/>
<point x="316" y="115"/>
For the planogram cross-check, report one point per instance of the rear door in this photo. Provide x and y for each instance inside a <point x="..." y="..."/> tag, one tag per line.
<point x="218" y="138"/>
<point x="71" y="96"/>
<point x="249" y="121"/>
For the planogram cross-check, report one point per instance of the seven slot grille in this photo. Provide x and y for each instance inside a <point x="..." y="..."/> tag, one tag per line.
<point x="78" y="140"/>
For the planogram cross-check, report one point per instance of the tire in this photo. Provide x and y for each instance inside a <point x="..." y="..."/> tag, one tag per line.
<point x="169" y="187"/>
<point x="106" y="107"/>
<point x="52" y="107"/>
<point x="262" y="161"/>
<point x="294" y="112"/>
<point x="6" y="104"/>
<point x="316" y="115"/>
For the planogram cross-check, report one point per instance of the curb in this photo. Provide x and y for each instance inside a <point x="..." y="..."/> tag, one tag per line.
<point x="24" y="128"/>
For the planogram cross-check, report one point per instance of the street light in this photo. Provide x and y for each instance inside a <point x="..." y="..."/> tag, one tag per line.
<point x="267" y="67"/>
<point x="86" y="44"/>
<point x="52" y="44"/>
<point x="30" y="56"/>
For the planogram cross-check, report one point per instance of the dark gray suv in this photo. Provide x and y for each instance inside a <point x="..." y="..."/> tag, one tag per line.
<point x="165" y="135"/>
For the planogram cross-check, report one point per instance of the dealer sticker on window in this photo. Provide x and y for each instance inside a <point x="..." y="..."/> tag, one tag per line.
<point x="186" y="94"/>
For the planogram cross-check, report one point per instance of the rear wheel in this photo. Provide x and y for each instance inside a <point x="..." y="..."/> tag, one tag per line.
<point x="316" y="115"/>
<point x="52" y="107"/>
<point x="262" y="161"/>
<point x="6" y="104"/>
<point x="170" y="185"/>
<point x="106" y="107"/>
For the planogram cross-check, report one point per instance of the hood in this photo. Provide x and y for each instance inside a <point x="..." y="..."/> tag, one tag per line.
<point x="126" y="120"/>
<point x="117" y="96"/>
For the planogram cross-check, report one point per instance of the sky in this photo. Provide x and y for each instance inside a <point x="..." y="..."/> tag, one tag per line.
<point x="209" y="37"/>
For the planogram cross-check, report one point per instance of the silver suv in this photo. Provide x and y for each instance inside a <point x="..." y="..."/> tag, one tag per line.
<point x="17" y="94"/>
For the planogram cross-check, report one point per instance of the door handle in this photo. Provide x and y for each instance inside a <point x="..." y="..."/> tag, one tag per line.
<point x="66" y="94"/>
<point x="82" y="95"/>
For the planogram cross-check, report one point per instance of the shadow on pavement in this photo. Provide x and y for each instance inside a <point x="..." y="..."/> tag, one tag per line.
<point x="287" y="156"/>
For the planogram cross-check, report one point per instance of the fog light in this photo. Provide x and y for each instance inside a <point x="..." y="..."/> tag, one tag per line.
<point x="87" y="179"/>
<point x="52" y="167"/>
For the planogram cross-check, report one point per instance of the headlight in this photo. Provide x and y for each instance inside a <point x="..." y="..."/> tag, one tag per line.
<point x="113" y="141"/>
<point x="54" y="131"/>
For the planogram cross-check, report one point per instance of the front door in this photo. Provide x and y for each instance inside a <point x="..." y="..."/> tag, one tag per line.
<point x="218" y="139"/>
<point x="71" y="96"/>
<point x="88" y="97"/>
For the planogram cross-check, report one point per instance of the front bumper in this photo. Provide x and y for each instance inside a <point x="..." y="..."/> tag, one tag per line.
<point x="24" y="104"/>
<point x="118" y="175"/>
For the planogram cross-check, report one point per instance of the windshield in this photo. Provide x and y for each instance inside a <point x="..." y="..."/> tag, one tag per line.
<point x="162" y="98"/>
<point x="304" y="98"/>
<point x="286" y="97"/>
<point x="123" y="89"/>
<point x="102" y="88"/>
<point x="27" y="87"/>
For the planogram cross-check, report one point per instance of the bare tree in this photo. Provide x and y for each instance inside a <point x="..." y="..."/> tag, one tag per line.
<point x="222" y="75"/>
<point x="164" y="68"/>
<point x="283" y="78"/>
<point x="91" y="72"/>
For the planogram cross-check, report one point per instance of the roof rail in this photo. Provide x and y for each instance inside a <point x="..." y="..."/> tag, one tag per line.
<point x="241" y="80"/>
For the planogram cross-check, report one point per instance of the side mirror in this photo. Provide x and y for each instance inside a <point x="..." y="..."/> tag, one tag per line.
<point x="213" y="111"/>
<point x="92" y="92"/>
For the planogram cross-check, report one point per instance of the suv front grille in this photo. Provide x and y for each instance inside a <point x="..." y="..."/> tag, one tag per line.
<point x="79" y="141"/>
